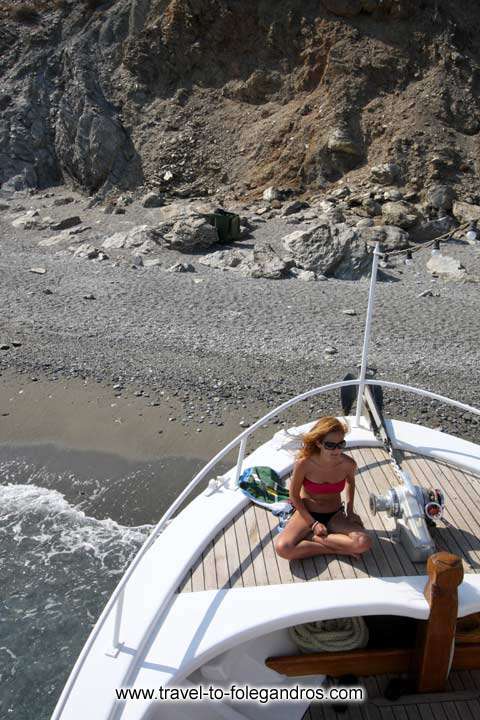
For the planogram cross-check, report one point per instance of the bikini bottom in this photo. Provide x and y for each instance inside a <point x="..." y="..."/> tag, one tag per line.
<point x="324" y="518"/>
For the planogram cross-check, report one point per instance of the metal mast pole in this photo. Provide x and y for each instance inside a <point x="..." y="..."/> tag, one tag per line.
<point x="366" y="337"/>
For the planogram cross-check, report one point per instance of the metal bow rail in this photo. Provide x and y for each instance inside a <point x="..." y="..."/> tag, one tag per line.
<point x="117" y="599"/>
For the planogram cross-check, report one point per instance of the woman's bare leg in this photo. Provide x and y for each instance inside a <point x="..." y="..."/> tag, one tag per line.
<point x="293" y="536"/>
<point x="351" y="544"/>
<point x="349" y="533"/>
<point x="345" y="537"/>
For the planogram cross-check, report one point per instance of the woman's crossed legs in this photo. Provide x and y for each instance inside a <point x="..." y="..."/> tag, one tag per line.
<point x="346" y="536"/>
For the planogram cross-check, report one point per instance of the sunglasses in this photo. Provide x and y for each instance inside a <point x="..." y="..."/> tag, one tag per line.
<point x="333" y="445"/>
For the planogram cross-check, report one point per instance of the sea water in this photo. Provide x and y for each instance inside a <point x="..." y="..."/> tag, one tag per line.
<point x="70" y="523"/>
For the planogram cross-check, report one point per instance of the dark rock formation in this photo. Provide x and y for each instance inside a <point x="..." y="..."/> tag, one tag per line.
<point x="199" y="96"/>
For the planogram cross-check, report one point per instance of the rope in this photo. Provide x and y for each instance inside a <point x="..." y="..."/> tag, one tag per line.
<point x="330" y="635"/>
<point x="423" y="246"/>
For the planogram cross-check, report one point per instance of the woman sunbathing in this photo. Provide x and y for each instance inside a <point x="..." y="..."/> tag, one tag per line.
<point x="321" y="523"/>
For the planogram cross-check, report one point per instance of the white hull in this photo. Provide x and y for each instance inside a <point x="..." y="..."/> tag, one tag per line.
<point x="223" y="636"/>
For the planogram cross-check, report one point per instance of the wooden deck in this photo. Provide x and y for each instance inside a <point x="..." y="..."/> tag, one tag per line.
<point x="243" y="555"/>
<point x="460" y="702"/>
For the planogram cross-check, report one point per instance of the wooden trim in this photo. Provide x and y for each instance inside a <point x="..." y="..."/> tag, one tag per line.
<point x="364" y="663"/>
<point x="355" y="662"/>
<point x="435" y="643"/>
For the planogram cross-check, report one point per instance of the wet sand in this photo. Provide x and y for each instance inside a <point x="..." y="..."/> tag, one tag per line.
<point x="83" y="415"/>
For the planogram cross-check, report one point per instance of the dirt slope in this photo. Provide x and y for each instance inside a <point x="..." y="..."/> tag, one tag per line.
<point x="227" y="97"/>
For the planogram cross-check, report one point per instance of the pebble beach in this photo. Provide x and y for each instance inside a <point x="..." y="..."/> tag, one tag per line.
<point x="201" y="351"/>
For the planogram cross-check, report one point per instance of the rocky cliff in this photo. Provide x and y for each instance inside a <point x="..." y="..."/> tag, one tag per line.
<point x="226" y="97"/>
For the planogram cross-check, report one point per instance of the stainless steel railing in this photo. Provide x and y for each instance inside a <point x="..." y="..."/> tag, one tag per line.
<point x="116" y="600"/>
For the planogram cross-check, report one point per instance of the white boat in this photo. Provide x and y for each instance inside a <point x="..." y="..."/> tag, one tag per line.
<point x="207" y="603"/>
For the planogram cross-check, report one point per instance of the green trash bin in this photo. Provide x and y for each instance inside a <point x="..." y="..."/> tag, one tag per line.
<point x="227" y="225"/>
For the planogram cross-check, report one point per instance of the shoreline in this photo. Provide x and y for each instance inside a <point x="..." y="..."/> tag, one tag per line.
<point x="122" y="348"/>
<point x="149" y="425"/>
<point x="83" y="415"/>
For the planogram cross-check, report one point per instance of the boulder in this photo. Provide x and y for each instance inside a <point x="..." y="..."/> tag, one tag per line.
<point x="336" y="216"/>
<point x="446" y="266"/>
<point x="310" y="215"/>
<point x="339" y="250"/>
<point x="226" y="259"/>
<point x="336" y="250"/>
<point x="115" y="242"/>
<point x="304" y="275"/>
<point x="65" y="223"/>
<point x="295" y="241"/>
<point x="132" y="238"/>
<point x="431" y="229"/>
<point x="266" y="264"/>
<point x="86" y="250"/>
<point x="340" y="141"/>
<point x="272" y="193"/>
<point x="294" y="219"/>
<point x="385" y="174"/>
<point x="147" y="247"/>
<point x="29" y="221"/>
<point x="401" y="214"/>
<point x="295" y="207"/>
<point x="191" y="234"/>
<point x="389" y="236"/>
<point x="365" y="222"/>
<point x="152" y="200"/>
<point x="178" y="210"/>
<point x="392" y="195"/>
<point x="466" y="212"/>
<point x="339" y="194"/>
<point x="441" y="197"/>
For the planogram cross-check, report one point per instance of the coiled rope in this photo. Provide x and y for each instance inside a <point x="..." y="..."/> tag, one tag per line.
<point x="330" y="635"/>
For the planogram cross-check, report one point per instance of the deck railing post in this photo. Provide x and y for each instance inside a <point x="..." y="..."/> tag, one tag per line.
<point x="366" y="337"/>
<point x="436" y="637"/>
<point x="241" y="457"/>
<point x="116" y="644"/>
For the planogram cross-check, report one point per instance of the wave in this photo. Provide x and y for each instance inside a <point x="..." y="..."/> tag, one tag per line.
<point x="42" y="520"/>
<point x="58" y="567"/>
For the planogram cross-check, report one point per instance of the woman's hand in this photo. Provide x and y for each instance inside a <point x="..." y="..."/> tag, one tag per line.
<point x="319" y="529"/>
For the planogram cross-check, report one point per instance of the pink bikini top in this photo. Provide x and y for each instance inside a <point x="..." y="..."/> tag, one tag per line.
<point x="326" y="488"/>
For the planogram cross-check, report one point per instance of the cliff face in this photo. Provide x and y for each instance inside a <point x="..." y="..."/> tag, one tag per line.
<point x="229" y="96"/>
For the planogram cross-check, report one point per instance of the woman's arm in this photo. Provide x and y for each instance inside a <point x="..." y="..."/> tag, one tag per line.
<point x="350" y="491"/>
<point x="296" y="483"/>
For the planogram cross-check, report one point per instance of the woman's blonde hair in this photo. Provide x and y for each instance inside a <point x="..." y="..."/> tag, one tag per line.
<point x="318" y="432"/>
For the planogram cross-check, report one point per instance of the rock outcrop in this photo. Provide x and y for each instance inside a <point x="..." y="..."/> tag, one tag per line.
<point x="339" y="250"/>
<point x="191" y="99"/>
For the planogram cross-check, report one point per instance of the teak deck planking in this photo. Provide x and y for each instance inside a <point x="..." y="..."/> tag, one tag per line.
<point x="460" y="702"/>
<point x="243" y="555"/>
